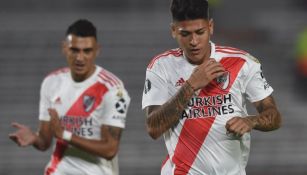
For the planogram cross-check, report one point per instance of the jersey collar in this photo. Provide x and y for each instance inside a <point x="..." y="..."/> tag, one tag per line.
<point x="212" y="54"/>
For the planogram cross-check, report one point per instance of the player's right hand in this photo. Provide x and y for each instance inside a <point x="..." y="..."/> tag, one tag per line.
<point x="205" y="73"/>
<point x="23" y="136"/>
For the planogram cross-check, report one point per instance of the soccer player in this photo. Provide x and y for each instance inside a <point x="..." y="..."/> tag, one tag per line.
<point x="83" y="106"/>
<point x="195" y="96"/>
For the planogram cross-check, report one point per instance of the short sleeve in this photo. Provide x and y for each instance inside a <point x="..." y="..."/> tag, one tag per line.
<point x="44" y="102"/>
<point x="114" y="107"/>
<point x="155" y="90"/>
<point x="257" y="87"/>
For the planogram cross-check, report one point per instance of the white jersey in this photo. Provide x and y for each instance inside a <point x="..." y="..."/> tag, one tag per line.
<point x="83" y="107"/>
<point x="198" y="144"/>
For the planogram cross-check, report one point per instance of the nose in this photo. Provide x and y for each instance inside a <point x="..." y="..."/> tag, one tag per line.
<point x="80" y="56"/>
<point x="194" y="40"/>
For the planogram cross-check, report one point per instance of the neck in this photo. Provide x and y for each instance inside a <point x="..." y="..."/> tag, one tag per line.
<point x="79" y="78"/>
<point x="206" y="56"/>
<point x="208" y="53"/>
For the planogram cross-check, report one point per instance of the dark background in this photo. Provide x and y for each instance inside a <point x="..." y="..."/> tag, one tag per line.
<point x="131" y="32"/>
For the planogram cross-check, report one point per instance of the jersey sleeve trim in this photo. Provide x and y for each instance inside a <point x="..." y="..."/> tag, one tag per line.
<point x="262" y="96"/>
<point x="110" y="123"/>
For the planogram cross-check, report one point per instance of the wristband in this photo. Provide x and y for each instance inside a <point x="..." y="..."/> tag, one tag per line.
<point x="67" y="135"/>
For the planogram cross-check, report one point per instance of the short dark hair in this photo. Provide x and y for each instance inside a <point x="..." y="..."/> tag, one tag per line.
<point x="189" y="9"/>
<point x="82" y="28"/>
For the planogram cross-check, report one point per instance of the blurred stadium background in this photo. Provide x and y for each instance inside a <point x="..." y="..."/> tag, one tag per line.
<point x="131" y="33"/>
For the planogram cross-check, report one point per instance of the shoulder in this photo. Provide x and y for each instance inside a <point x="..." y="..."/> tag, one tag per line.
<point x="60" y="71"/>
<point x="164" y="57"/>
<point x="110" y="80"/>
<point x="115" y="86"/>
<point x="56" y="75"/>
<point x="229" y="50"/>
<point x="231" y="53"/>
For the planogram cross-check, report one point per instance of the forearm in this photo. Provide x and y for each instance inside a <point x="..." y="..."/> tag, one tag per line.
<point x="267" y="120"/>
<point x="103" y="148"/>
<point x="40" y="143"/>
<point x="43" y="137"/>
<point x="168" y="115"/>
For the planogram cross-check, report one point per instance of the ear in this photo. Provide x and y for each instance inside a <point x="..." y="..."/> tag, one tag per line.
<point x="173" y="30"/>
<point x="98" y="50"/>
<point x="64" y="47"/>
<point x="211" y="26"/>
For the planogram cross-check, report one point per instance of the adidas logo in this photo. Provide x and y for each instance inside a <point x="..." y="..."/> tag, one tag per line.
<point x="180" y="82"/>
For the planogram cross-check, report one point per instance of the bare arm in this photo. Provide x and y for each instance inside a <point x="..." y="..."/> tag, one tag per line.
<point x="44" y="136"/>
<point x="161" y="118"/>
<point x="106" y="147"/>
<point x="268" y="119"/>
<point x="24" y="136"/>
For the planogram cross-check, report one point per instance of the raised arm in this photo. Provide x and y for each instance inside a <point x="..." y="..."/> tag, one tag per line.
<point x="106" y="147"/>
<point x="161" y="118"/>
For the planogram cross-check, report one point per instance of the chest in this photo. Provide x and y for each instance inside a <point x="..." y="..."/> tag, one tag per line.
<point x="71" y="100"/>
<point x="230" y="80"/>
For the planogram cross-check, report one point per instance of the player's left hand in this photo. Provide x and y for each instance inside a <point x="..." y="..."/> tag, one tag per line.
<point x="55" y="123"/>
<point x="239" y="126"/>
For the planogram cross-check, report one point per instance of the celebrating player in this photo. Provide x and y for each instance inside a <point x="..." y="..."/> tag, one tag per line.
<point x="83" y="106"/>
<point x="195" y="97"/>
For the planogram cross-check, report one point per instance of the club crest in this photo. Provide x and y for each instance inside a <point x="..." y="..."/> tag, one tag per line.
<point x="223" y="81"/>
<point x="88" y="102"/>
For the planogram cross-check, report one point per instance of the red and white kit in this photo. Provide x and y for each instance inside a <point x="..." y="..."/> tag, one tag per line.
<point x="83" y="107"/>
<point x="199" y="144"/>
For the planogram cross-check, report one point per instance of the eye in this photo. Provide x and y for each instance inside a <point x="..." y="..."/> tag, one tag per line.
<point x="88" y="50"/>
<point x="74" y="50"/>
<point x="184" y="33"/>
<point x="200" y="32"/>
